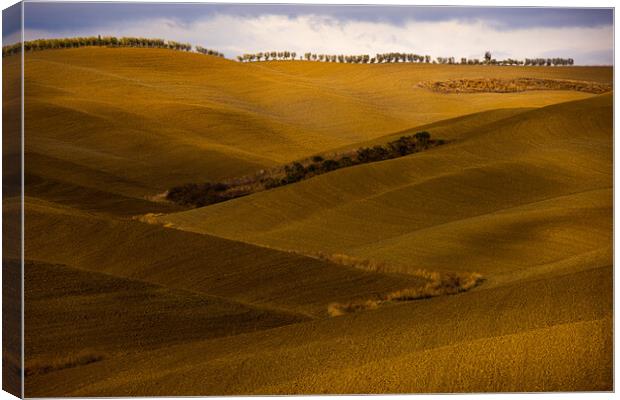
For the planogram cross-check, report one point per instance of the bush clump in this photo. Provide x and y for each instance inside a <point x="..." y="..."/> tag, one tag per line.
<point x="433" y="284"/>
<point x="441" y="284"/>
<point x="200" y="195"/>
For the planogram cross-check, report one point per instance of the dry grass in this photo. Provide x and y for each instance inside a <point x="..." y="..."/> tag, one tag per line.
<point x="436" y="284"/>
<point x="152" y="218"/>
<point x="338" y="309"/>
<point x="440" y="284"/>
<point x="436" y="279"/>
<point x="494" y="85"/>
<point x="84" y="357"/>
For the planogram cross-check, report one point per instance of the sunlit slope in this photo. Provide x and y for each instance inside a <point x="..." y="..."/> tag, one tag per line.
<point x="200" y="263"/>
<point x="517" y="239"/>
<point x="519" y="191"/>
<point x="540" y="335"/>
<point x="448" y="129"/>
<point x="158" y="118"/>
<point x="393" y="87"/>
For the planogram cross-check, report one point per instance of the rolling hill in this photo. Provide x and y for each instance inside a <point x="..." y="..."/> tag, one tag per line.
<point x="194" y="262"/>
<point x="161" y="118"/>
<point x="534" y="180"/>
<point x="143" y="297"/>
<point x="545" y="335"/>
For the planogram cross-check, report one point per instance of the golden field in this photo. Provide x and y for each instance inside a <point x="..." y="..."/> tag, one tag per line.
<point x="127" y="294"/>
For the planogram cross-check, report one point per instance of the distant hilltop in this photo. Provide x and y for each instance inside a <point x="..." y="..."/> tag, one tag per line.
<point x="379" y="58"/>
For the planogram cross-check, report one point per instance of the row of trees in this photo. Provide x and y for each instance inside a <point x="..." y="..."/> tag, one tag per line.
<point x="488" y="59"/>
<point x="549" y="61"/>
<point x="336" y="58"/>
<point x="202" y="50"/>
<point x="510" y="61"/>
<point x="111" y="41"/>
<point x="399" y="58"/>
<point x="108" y="41"/>
<point x="402" y="57"/>
<point x="268" y="55"/>
<point x="476" y="61"/>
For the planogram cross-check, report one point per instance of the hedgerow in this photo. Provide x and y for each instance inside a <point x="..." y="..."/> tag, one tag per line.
<point x="199" y="195"/>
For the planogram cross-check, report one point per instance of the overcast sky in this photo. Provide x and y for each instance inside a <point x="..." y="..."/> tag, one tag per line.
<point x="583" y="34"/>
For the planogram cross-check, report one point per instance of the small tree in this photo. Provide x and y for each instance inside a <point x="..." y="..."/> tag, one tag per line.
<point x="423" y="137"/>
<point x="487" y="57"/>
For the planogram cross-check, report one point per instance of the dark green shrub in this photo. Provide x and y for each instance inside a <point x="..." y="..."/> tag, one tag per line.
<point x="372" y="154"/>
<point x="329" y="165"/>
<point x="294" y="172"/>
<point x="403" y="146"/>
<point x="198" y="194"/>
<point x="423" y="137"/>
